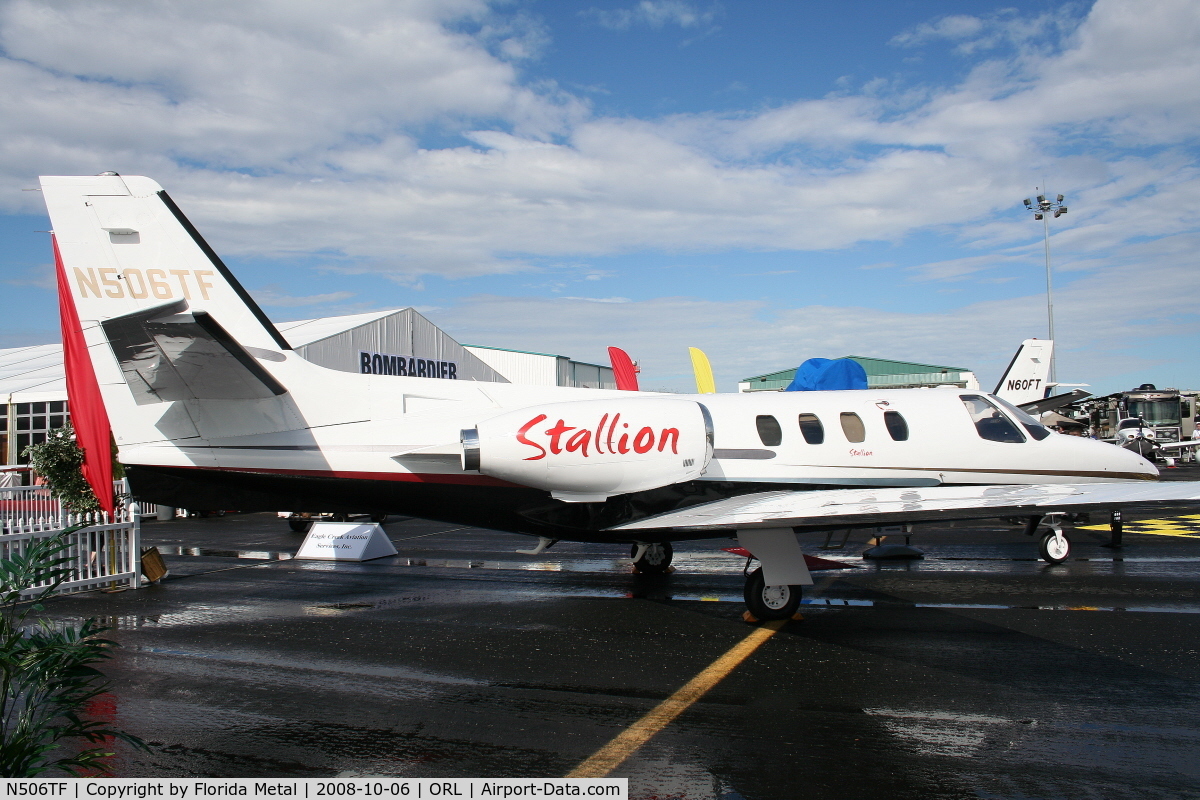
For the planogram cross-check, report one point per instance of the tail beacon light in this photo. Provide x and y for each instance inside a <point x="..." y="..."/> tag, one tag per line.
<point x="588" y="451"/>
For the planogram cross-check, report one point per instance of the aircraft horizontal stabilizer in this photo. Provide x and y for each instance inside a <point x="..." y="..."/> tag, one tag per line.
<point x="1051" y="403"/>
<point x="846" y="508"/>
<point x="169" y="354"/>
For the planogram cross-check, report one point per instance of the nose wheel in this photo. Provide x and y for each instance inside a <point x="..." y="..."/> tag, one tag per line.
<point x="770" y="602"/>
<point x="652" y="559"/>
<point x="1054" y="546"/>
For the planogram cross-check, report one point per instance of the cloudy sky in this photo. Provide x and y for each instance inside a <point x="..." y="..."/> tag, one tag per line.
<point x="767" y="180"/>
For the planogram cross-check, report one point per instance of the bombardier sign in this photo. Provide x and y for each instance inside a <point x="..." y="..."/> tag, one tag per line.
<point x="408" y="366"/>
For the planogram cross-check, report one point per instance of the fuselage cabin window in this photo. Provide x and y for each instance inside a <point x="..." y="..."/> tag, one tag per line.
<point x="811" y="429"/>
<point x="852" y="426"/>
<point x="769" y="431"/>
<point x="989" y="422"/>
<point x="896" y="425"/>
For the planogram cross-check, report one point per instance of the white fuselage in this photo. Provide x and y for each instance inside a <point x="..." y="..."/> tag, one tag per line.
<point x="391" y="427"/>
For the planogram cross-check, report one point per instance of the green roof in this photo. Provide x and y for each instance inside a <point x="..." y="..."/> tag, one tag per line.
<point x="872" y="366"/>
<point x="886" y="366"/>
<point x="881" y="373"/>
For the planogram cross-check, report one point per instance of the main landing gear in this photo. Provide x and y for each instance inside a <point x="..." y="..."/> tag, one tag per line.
<point x="773" y="589"/>
<point x="770" y="602"/>
<point x="653" y="558"/>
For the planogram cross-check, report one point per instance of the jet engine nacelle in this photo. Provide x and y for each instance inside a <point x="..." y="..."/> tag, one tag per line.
<point x="590" y="450"/>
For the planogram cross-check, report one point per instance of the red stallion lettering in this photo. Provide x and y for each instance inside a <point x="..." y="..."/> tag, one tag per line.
<point x="597" y="439"/>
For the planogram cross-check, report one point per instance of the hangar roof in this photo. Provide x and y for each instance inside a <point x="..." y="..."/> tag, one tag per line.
<point x="28" y="372"/>
<point x="306" y="331"/>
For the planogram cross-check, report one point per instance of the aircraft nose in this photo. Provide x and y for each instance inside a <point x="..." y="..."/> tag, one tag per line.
<point x="1107" y="457"/>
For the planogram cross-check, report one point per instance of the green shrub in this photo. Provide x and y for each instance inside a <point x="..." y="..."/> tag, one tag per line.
<point x="59" y="460"/>
<point x="47" y="677"/>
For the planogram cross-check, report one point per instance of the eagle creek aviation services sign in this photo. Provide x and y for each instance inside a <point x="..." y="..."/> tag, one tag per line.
<point x="409" y="366"/>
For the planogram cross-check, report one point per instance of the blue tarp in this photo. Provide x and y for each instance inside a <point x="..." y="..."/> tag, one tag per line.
<point x="822" y="374"/>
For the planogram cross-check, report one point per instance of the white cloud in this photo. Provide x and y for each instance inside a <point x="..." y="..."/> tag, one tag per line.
<point x="41" y="276"/>
<point x="275" y="295"/>
<point x="286" y="128"/>
<point x="653" y="14"/>
<point x="953" y="26"/>
<point x="1099" y="318"/>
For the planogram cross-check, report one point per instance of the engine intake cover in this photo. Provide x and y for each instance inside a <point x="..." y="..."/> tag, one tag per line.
<point x="589" y="450"/>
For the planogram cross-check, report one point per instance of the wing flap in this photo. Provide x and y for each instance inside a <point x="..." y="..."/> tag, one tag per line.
<point x="844" y="508"/>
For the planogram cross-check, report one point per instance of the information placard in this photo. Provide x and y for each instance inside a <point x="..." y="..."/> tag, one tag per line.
<point x="345" y="541"/>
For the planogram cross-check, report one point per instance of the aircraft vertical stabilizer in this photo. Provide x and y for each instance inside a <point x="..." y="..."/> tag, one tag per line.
<point x="1025" y="379"/>
<point x="162" y="318"/>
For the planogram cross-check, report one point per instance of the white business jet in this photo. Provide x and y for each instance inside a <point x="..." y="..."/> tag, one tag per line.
<point x="211" y="408"/>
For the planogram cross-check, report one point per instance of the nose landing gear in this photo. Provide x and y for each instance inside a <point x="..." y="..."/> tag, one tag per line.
<point x="1053" y="545"/>
<point x="653" y="558"/>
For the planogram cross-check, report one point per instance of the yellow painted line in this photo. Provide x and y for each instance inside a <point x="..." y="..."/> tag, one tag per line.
<point x="1186" y="527"/>
<point x="609" y="757"/>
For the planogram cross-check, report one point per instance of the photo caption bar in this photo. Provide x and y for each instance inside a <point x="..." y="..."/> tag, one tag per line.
<point x="415" y="788"/>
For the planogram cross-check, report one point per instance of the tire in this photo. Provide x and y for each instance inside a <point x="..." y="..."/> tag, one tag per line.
<point x="770" y="602"/>
<point x="380" y="518"/>
<point x="1050" y="552"/>
<point x="299" y="524"/>
<point x="656" y="560"/>
<point x="339" y="517"/>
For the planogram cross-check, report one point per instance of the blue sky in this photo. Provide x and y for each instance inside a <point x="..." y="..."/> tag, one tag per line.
<point x="770" y="181"/>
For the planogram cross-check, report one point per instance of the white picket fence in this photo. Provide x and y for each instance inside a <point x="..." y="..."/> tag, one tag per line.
<point x="106" y="553"/>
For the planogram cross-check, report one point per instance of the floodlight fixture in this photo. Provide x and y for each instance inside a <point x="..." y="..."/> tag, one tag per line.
<point x="1040" y="212"/>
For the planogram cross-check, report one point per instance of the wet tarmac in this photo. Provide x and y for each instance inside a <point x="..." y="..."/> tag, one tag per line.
<point x="977" y="671"/>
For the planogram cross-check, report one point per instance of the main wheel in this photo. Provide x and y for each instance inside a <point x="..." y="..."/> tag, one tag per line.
<point x="770" y="602"/>
<point x="299" y="524"/>
<point x="656" y="560"/>
<point x="380" y="518"/>
<point x="1052" y="550"/>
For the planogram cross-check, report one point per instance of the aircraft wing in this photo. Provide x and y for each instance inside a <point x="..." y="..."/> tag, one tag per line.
<point x="847" y="508"/>
<point x="1178" y="445"/>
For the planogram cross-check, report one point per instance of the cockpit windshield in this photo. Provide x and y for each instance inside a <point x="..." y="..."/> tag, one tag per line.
<point x="989" y="422"/>
<point x="1036" y="429"/>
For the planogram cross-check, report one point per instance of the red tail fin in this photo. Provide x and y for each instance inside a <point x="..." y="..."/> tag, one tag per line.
<point x="623" y="369"/>
<point x="92" y="430"/>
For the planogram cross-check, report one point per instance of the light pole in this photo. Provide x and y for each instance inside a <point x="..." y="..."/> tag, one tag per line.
<point x="1041" y="209"/>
